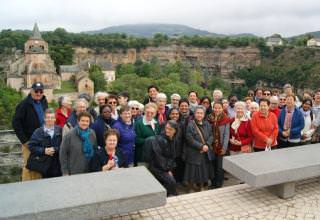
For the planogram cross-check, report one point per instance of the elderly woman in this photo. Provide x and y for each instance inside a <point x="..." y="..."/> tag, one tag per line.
<point x="240" y="131"/>
<point x="46" y="141"/>
<point x="254" y="107"/>
<point x="64" y="110"/>
<point x="217" y="96"/>
<point x="206" y="102"/>
<point x="124" y="125"/>
<point x="221" y="131"/>
<point x="175" y="98"/>
<point x="103" y="123"/>
<point x="161" y="100"/>
<point x="291" y="123"/>
<point x="109" y="157"/>
<point x="274" y="105"/>
<point x="198" y="151"/>
<point x="78" y="147"/>
<point x="308" y="130"/>
<point x="145" y="127"/>
<point x="81" y="105"/>
<point x="162" y="161"/>
<point x="264" y="126"/>
<point x="282" y="100"/>
<point x="135" y="110"/>
<point x="100" y="99"/>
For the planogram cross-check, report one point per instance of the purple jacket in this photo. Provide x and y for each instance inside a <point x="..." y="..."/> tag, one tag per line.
<point x="127" y="140"/>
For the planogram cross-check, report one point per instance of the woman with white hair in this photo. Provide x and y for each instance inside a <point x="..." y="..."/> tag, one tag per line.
<point x="100" y="100"/>
<point x="64" y="110"/>
<point x="175" y="98"/>
<point x="135" y="110"/>
<point x="240" y="131"/>
<point x="254" y="107"/>
<point x="162" y="113"/>
<point x="217" y="96"/>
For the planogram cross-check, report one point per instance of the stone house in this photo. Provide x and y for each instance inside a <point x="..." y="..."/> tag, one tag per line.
<point x="274" y="41"/>
<point x="313" y="42"/>
<point x="84" y="83"/>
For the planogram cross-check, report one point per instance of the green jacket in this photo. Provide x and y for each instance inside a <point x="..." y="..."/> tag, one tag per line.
<point x="142" y="132"/>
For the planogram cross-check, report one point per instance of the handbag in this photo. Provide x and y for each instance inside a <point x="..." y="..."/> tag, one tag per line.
<point x="209" y="153"/>
<point x="38" y="163"/>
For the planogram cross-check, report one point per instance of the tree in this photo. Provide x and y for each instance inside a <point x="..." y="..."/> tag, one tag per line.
<point x="97" y="76"/>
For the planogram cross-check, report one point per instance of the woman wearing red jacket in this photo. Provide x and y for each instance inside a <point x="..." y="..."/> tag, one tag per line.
<point x="240" y="131"/>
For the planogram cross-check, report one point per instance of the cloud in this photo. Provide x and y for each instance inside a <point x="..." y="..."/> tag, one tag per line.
<point x="286" y="17"/>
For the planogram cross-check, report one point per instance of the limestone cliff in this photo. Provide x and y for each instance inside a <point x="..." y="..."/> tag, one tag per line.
<point x="222" y="61"/>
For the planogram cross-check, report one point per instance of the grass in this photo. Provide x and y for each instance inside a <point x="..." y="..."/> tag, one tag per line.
<point x="66" y="86"/>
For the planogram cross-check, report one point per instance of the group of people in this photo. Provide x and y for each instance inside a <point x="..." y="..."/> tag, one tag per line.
<point x="181" y="140"/>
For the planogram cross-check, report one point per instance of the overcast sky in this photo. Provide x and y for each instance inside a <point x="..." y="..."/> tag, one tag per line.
<point x="287" y="17"/>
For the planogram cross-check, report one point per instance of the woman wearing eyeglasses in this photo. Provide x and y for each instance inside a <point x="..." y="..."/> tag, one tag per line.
<point x="135" y="110"/>
<point x="206" y="102"/>
<point x="113" y="102"/>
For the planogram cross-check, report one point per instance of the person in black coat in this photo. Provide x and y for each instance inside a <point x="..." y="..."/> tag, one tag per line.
<point x="162" y="161"/>
<point x="29" y="116"/>
<point x="109" y="157"/>
<point x="46" y="140"/>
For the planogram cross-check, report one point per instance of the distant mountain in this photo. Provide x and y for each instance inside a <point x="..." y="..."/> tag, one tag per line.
<point x="314" y="34"/>
<point x="148" y="30"/>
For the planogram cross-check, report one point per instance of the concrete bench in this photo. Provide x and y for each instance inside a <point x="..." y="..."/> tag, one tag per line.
<point x="84" y="196"/>
<point x="277" y="169"/>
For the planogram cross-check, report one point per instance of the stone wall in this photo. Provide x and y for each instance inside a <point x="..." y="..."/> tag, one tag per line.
<point x="223" y="61"/>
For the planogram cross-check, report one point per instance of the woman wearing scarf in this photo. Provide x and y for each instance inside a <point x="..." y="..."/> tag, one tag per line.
<point x="109" y="157"/>
<point x="161" y="101"/>
<point x="291" y="123"/>
<point x="145" y="127"/>
<point x="221" y="129"/>
<point x="78" y="147"/>
<point x="240" y="131"/>
<point x="198" y="151"/>
<point x="308" y="130"/>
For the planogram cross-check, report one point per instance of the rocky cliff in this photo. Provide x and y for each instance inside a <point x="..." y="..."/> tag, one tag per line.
<point x="217" y="60"/>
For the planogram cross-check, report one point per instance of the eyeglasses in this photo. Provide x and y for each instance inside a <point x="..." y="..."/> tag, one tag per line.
<point x="110" y="103"/>
<point x="133" y="108"/>
<point x="267" y="93"/>
<point x="250" y="94"/>
<point x="38" y="91"/>
<point x="282" y="99"/>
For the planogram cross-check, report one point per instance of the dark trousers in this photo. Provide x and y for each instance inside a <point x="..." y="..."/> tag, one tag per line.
<point x="285" y="144"/>
<point x="178" y="172"/>
<point x="166" y="180"/>
<point x="218" y="172"/>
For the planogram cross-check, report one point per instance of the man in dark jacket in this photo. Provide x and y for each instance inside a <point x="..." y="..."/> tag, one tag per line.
<point x="28" y="117"/>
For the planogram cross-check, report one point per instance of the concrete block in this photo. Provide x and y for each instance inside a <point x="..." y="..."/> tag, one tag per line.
<point x="84" y="196"/>
<point x="284" y="191"/>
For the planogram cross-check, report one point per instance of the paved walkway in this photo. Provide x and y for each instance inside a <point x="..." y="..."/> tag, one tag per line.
<point x="238" y="202"/>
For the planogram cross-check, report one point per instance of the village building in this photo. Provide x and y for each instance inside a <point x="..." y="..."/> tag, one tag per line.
<point x="274" y="40"/>
<point x="313" y="42"/>
<point x="35" y="65"/>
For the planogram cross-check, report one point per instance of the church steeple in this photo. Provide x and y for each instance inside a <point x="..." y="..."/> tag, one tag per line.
<point x="36" y="33"/>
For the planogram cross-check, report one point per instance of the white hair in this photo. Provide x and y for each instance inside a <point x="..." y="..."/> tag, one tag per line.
<point x="274" y="98"/>
<point x="141" y="107"/>
<point x="133" y="103"/>
<point x="175" y="95"/>
<point x="240" y="103"/>
<point x="254" y="104"/>
<point x="218" y="92"/>
<point x="98" y="94"/>
<point x="81" y="100"/>
<point x="161" y="96"/>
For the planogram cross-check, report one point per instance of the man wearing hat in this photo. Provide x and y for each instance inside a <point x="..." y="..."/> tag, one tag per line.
<point x="28" y="117"/>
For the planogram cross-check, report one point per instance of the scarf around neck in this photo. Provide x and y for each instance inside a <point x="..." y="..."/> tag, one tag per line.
<point x="236" y="123"/>
<point x="87" y="146"/>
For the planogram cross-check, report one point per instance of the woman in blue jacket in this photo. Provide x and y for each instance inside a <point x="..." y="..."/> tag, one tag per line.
<point x="291" y="123"/>
<point x="125" y="127"/>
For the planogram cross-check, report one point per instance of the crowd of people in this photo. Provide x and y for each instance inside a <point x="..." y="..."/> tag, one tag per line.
<point x="180" y="140"/>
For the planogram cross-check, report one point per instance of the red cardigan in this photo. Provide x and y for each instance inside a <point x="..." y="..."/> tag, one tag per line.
<point x="61" y="119"/>
<point x="244" y="134"/>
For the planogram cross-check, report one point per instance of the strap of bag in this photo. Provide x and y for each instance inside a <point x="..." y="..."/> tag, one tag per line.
<point x="199" y="132"/>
